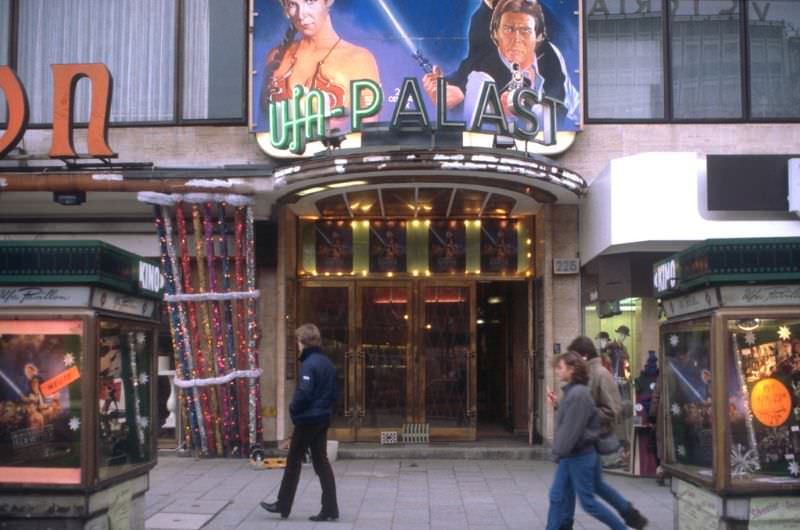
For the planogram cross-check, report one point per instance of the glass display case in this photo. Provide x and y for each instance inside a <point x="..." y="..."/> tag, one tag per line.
<point x="78" y="329"/>
<point x="730" y="387"/>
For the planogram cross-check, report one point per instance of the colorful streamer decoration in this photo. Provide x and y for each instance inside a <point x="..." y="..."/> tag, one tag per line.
<point x="211" y="300"/>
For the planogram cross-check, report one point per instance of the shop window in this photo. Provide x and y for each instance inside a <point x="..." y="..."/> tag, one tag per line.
<point x="764" y="400"/>
<point x="624" y="66"/>
<point x="41" y="365"/>
<point x="5" y="30"/>
<point x="706" y="60"/>
<point x="125" y="425"/>
<point x="214" y="54"/>
<point x="134" y="38"/>
<point x="687" y="397"/>
<point x="774" y="58"/>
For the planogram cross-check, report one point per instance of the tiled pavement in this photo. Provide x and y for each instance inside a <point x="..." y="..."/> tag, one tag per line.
<point x="376" y="494"/>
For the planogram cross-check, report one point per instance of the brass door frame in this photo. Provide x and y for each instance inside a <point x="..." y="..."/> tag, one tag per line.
<point x="371" y="434"/>
<point x="469" y="432"/>
<point x="355" y="366"/>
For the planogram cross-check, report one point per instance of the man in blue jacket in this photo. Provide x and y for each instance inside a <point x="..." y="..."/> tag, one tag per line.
<point x="311" y="414"/>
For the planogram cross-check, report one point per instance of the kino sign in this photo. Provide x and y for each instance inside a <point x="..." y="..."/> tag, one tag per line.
<point x="304" y="117"/>
<point x="65" y="78"/>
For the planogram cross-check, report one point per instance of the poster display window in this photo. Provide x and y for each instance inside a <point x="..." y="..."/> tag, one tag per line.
<point x="764" y="399"/>
<point x="40" y="400"/>
<point x="125" y="431"/>
<point x="687" y="396"/>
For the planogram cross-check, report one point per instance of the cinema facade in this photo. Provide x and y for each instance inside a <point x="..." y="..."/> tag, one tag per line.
<point x="445" y="261"/>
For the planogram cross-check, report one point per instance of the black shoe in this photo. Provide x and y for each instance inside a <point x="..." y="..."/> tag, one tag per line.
<point x="323" y="517"/>
<point x="635" y="519"/>
<point x="272" y="507"/>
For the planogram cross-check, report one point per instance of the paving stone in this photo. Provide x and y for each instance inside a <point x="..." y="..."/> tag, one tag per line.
<point x="177" y="521"/>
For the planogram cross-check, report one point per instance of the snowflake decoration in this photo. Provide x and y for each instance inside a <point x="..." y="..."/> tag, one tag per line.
<point x="74" y="423"/>
<point x="743" y="462"/>
<point x="676" y="409"/>
<point x="681" y="450"/>
<point x="674" y="340"/>
<point x="784" y="333"/>
<point x="69" y="359"/>
<point x="750" y="338"/>
<point x="140" y="336"/>
<point x="794" y="468"/>
<point x="143" y="378"/>
<point x="144" y="422"/>
<point x="639" y="407"/>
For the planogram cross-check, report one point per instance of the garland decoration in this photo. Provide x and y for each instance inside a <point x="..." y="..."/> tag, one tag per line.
<point x="211" y="300"/>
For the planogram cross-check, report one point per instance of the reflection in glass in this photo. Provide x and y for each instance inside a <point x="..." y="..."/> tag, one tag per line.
<point x="327" y="307"/>
<point x="764" y="399"/>
<point x="124" y="357"/>
<point x="687" y="387"/>
<point x="624" y="65"/>
<point x="774" y="58"/>
<point x="40" y="400"/>
<point x="446" y="349"/>
<point x="384" y="328"/>
<point x="706" y="60"/>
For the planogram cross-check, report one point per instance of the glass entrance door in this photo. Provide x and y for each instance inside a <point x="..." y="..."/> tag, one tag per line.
<point x="447" y="361"/>
<point x="384" y="361"/>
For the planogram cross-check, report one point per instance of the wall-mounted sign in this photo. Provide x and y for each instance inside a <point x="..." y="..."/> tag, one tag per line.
<point x="691" y="303"/>
<point x="760" y="295"/>
<point x="771" y="402"/>
<point x="123" y="303"/>
<point x="665" y="275"/>
<point x="334" y="246"/>
<point x="65" y="79"/>
<point x="508" y="67"/>
<point x="28" y="296"/>
<point x="447" y="246"/>
<point x="150" y="278"/>
<point x="387" y="246"/>
<point x="566" y="266"/>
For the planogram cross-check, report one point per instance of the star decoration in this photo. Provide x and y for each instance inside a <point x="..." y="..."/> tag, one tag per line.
<point x="743" y="462"/>
<point x="69" y="359"/>
<point x="674" y="340"/>
<point x="750" y="338"/>
<point x="144" y="422"/>
<point x="681" y="450"/>
<point x="784" y="333"/>
<point x="143" y="378"/>
<point x="652" y="386"/>
<point x="794" y="468"/>
<point x="676" y="409"/>
<point x="74" y="423"/>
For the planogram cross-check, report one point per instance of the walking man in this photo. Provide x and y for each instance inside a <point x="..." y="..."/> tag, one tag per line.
<point x="311" y="414"/>
<point x="609" y="406"/>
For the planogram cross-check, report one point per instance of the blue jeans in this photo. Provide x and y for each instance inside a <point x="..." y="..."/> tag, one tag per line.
<point x="602" y="490"/>
<point x="580" y="474"/>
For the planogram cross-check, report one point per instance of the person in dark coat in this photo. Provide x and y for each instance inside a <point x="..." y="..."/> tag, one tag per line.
<point x="311" y="414"/>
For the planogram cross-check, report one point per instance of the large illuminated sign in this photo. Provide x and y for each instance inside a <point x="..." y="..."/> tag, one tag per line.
<point x="483" y="67"/>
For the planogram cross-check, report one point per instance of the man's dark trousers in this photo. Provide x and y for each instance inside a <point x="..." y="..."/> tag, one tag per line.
<point x="315" y="437"/>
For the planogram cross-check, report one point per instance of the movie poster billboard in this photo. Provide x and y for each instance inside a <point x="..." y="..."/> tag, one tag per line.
<point x="40" y="399"/>
<point x="498" y="245"/>
<point x="325" y="45"/>
<point x="447" y="247"/>
<point x="387" y="246"/>
<point x="334" y="246"/>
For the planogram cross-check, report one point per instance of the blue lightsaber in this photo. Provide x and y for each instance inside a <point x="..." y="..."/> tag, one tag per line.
<point x="14" y="387"/>
<point x="415" y="52"/>
<point x="685" y="381"/>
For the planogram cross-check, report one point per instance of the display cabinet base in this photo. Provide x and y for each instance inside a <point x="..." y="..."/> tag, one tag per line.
<point x="119" y="506"/>
<point x="698" y="508"/>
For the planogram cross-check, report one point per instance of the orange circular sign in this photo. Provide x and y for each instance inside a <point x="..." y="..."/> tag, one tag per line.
<point x="771" y="402"/>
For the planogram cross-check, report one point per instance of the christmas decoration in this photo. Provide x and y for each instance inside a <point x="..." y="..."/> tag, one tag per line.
<point x="69" y="359"/>
<point x="784" y="333"/>
<point x="794" y="468"/>
<point x="676" y="409"/>
<point x="211" y="298"/>
<point x="144" y="378"/>
<point x="750" y="338"/>
<point x="674" y="340"/>
<point x="743" y="462"/>
<point x="74" y="423"/>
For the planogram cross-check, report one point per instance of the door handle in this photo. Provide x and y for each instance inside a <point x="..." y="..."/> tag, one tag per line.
<point x="348" y="412"/>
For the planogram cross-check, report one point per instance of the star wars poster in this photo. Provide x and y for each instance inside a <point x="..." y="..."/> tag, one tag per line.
<point x="327" y="44"/>
<point x="334" y="246"/>
<point x="447" y="249"/>
<point x="40" y="397"/>
<point x="498" y="245"/>
<point x="387" y="246"/>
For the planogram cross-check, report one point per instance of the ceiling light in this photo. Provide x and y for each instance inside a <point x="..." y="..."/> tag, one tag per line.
<point x="347" y="184"/>
<point x="309" y="191"/>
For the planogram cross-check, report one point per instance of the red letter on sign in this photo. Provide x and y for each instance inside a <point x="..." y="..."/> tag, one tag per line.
<point x="65" y="77"/>
<point x="17" y="110"/>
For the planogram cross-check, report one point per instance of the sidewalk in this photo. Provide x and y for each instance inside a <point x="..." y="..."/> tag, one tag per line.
<point x="187" y="493"/>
